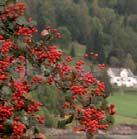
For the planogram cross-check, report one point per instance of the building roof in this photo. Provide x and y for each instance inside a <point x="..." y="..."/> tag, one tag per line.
<point x="117" y="71"/>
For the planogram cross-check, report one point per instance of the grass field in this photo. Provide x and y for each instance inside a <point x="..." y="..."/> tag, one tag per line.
<point x="126" y="107"/>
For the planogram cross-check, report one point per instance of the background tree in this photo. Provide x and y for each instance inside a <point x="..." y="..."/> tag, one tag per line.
<point x="95" y="42"/>
<point x="73" y="51"/>
<point x="117" y="19"/>
<point x="66" y="40"/>
<point x="129" y="63"/>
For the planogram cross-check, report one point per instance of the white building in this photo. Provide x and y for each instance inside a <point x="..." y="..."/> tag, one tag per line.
<point x="122" y="77"/>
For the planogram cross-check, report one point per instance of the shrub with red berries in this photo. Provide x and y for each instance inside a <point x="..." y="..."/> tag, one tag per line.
<point x="22" y="64"/>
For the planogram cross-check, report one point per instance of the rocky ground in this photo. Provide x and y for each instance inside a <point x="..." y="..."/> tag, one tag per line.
<point x="122" y="131"/>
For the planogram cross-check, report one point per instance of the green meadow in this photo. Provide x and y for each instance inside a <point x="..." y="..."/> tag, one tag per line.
<point x="126" y="107"/>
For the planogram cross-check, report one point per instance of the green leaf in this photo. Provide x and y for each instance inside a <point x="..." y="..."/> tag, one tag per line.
<point x="21" y="21"/>
<point x="37" y="130"/>
<point x="8" y="126"/>
<point x="9" y="122"/>
<point x="33" y="23"/>
<point x="11" y="1"/>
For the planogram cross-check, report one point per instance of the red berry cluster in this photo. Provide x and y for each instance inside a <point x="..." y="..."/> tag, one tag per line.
<point x="112" y="109"/>
<point x="54" y="32"/>
<point x="102" y="66"/>
<point x="21" y="87"/>
<point x="51" y="54"/>
<point x="18" y="128"/>
<point x="6" y="46"/>
<point x="92" y="120"/>
<point x="13" y="11"/>
<point x="37" y="79"/>
<point x="33" y="107"/>
<point x="41" y="119"/>
<point x="5" y="63"/>
<point x="78" y="88"/>
<point x="89" y="78"/>
<point x="1" y="37"/>
<point x="5" y="113"/>
<point x="25" y="31"/>
<point x="3" y="77"/>
<point x="100" y="89"/>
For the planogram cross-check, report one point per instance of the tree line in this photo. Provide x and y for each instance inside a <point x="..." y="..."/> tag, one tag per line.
<point x="106" y="27"/>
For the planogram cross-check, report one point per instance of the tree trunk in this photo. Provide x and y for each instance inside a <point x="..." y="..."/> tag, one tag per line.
<point x="122" y="91"/>
<point x="90" y="136"/>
